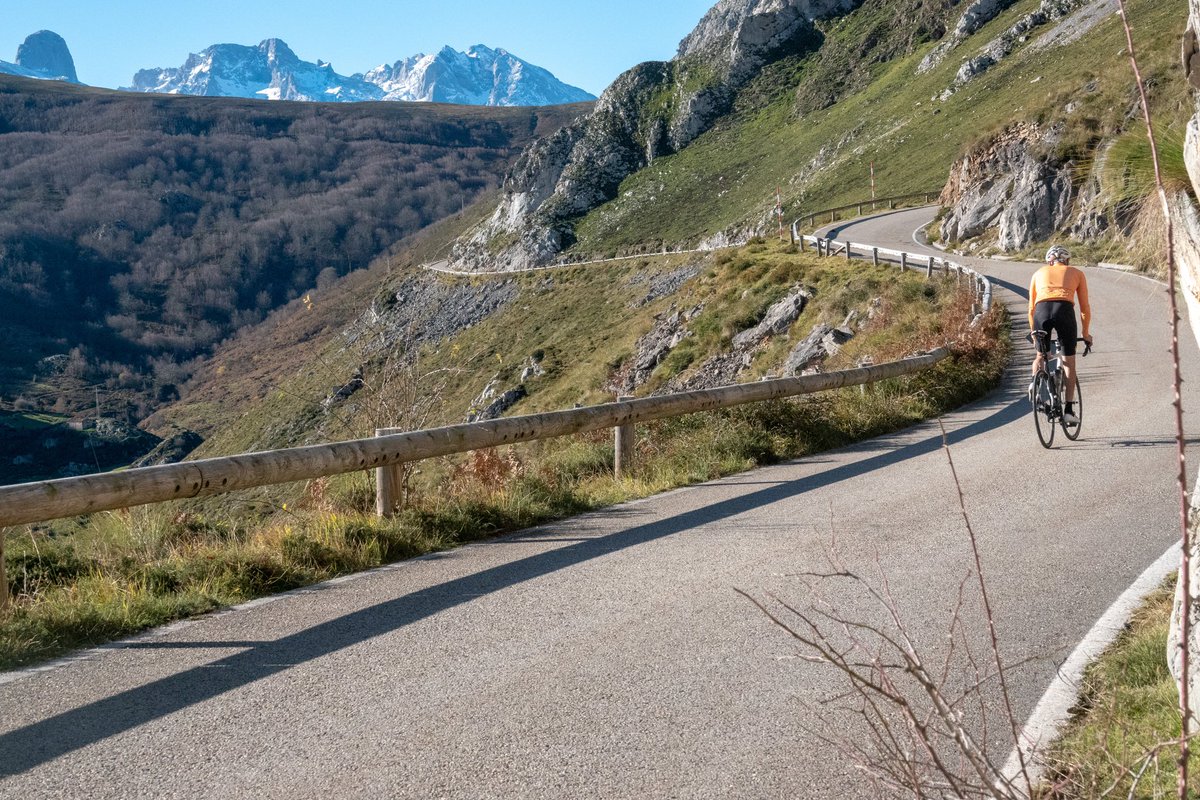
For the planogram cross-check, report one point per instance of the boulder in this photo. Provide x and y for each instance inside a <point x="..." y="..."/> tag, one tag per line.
<point x="822" y="341"/>
<point x="777" y="320"/>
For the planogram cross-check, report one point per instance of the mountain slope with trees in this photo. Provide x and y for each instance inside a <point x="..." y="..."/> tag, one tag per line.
<point x="137" y="232"/>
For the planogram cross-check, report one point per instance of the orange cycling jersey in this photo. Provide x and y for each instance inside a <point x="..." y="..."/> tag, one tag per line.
<point x="1060" y="282"/>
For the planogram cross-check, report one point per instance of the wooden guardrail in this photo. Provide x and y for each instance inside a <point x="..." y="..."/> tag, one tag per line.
<point x="67" y="497"/>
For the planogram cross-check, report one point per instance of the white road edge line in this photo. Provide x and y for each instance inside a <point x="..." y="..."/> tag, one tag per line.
<point x="1053" y="710"/>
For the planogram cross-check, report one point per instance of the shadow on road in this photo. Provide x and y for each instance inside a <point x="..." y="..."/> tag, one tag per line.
<point x="26" y="748"/>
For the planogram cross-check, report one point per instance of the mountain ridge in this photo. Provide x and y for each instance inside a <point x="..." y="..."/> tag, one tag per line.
<point x="272" y="71"/>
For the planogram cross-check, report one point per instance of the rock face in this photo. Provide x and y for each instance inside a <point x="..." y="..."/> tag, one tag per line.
<point x="47" y="52"/>
<point x="814" y="348"/>
<point x="1011" y="184"/>
<point x="652" y="110"/>
<point x="974" y="17"/>
<point x="43" y="55"/>
<point x="670" y="328"/>
<point x="999" y="48"/>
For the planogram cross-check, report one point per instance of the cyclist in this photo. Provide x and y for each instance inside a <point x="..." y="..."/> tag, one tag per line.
<point x="1052" y="294"/>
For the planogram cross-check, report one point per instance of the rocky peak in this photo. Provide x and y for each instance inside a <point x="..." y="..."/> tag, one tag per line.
<point x="652" y="110"/>
<point x="745" y="33"/>
<point x="47" y="53"/>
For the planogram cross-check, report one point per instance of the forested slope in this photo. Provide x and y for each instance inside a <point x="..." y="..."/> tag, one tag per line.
<point x="137" y="232"/>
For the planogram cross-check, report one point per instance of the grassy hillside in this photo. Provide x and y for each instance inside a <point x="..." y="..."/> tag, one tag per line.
<point x="92" y="578"/>
<point x="138" y="231"/>
<point x="821" y="157"/>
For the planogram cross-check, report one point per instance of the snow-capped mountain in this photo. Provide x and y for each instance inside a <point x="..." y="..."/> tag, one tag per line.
<point x="43" y="55"/>
<point x="271" y="71"/>
<point x="480" y="76"/>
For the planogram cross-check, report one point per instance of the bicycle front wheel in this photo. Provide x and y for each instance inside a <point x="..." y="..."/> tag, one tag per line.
<point x="1072" y="431"/>
<point x="1043" y="408"/>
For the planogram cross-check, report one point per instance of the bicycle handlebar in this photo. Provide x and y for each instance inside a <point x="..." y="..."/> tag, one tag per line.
<point x="1043" y="335"/>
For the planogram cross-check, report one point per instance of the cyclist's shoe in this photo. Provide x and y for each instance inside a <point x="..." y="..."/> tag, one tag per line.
<point x="1069" y="417"/>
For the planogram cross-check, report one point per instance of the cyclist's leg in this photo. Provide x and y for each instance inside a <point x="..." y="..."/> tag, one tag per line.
<point x="1042" y="321"/>
<point x="1068" y="370"/>
<point x="1064" y="322"/>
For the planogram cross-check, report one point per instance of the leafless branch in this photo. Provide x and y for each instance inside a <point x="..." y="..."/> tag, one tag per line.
<point x="1185" y="566"/>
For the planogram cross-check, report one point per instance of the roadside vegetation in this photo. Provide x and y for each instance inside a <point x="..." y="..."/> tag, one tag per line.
<point x="1123" y="739"/>
<point x="95" y="578"/>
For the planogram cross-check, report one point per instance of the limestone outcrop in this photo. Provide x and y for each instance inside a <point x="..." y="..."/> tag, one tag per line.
<point x="1012" y="183"/>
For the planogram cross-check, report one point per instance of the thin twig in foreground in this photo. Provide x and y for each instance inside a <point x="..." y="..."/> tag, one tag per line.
<point x="987" y="610"/>
<point x="1185" y="565"/>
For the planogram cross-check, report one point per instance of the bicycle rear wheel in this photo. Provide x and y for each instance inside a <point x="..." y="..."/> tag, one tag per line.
<point x="1072" y="431"/>
<point x="1043" y="408"/>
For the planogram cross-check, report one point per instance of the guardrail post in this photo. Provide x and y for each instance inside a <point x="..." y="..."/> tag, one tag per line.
<point x="623" y="442"/>
<point x="389" y="482"/>
<point x="795" y="236"/>
<point x="929" y="268"/>
<point x="847" y="251"/>
<point x="903" y="262"/>
<point x="803" y="244"/>
<point x="875" y="256"/>
<point x="860" y="209"/>
<point x="3" y="577"/>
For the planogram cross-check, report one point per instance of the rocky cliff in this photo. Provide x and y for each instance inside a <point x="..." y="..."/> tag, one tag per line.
<point x="652" y="110"/>
<point x="1013" y="184"/>
<point x="47" y="52"/>
<point x="43" y="55"/>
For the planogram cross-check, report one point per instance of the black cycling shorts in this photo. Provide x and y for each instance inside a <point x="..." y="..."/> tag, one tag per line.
<point x="1057" y="315"/>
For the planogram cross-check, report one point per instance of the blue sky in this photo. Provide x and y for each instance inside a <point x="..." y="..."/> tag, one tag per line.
<point x="585" y="44"/>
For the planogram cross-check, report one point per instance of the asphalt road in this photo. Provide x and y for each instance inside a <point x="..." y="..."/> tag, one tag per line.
<point x="609" y="655"/>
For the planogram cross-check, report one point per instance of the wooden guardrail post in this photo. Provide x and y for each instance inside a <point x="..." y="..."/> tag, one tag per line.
<point x="3" y="577"/>
<point x="847" y="251"/>
<point x="623" y="442"/>
<point x="903" y="262"/>
<point x="875" y="256"/>
<point x="860" y="209"/>
<point x="803" y="244"/>
<point x="389" y="480"/>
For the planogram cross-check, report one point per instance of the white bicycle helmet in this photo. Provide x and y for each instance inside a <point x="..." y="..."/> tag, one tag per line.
<point x="1058" y="253"/>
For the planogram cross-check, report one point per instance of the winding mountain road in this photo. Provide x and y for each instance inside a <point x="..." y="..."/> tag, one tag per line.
<point x="609" y="655"/>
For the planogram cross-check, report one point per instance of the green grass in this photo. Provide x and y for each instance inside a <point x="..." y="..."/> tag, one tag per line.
<point x="1127" y="718"/>
<point x="88" y="580"/>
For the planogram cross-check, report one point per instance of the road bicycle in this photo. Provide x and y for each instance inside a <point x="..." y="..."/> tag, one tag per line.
<point x="1048" y="388"/>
